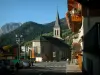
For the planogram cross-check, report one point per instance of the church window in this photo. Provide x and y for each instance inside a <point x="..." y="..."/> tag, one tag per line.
<point x="57" y="32"/>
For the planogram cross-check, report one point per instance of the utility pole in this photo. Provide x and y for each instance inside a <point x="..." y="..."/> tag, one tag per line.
<point x="25" y="52"/>
<point x="19" y="40"/>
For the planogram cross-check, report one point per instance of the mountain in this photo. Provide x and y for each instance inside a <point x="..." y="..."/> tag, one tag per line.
<point x="8" y="27"/>
<point x="63" y="24"/>
<point x="30" y="30"/>
<point x="1" y="32"/>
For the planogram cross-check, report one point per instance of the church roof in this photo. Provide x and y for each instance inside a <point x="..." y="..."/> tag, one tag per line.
<point x="57" y="22"/>
<point x="57" y="42"/>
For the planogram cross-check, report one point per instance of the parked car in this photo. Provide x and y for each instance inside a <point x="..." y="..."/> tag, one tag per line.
<point x="25" y="63"/>
<point x="22" y="63"/>
<point x="6" y="67"/>
<point x="19" y="61"/>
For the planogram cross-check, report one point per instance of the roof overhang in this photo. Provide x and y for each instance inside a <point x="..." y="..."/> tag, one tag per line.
<point x="92" y="4"/>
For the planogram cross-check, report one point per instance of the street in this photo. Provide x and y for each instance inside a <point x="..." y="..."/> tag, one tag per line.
<point x="47" y="68"/>
<point x="51" y="64"/>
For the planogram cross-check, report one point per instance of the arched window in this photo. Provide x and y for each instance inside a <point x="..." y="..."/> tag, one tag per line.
<point x="57" y="32"/>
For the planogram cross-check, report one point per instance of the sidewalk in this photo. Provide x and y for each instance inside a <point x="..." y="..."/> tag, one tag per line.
<point x="74" y="73"/>
<point x="73" y="68"/>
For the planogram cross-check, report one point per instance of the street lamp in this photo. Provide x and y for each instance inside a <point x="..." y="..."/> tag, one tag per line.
<point x="19" y="40"/>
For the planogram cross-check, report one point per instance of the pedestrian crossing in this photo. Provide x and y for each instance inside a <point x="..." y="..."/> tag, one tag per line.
<point x="50" y="64"/>
<point x="55" y="66"/>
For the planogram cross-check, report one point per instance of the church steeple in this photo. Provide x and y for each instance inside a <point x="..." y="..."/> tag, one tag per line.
<point x="57" y="23"/>
<point x="57" y="28"/>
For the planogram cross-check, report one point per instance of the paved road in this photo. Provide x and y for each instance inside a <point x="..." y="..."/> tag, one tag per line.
<point x="51" y="64"/>
<point x="60" y="66"/>
<point x="43" y="71"/>
<point x="50" y="68"/>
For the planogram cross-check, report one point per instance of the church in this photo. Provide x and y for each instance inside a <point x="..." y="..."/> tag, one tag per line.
<point x="57" y="33"/>
<point x="52" y="48"/>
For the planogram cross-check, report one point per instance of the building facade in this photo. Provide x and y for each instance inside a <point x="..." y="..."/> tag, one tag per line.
<point x="90" y="22"/>
<point x="47" y="50"/>
<point x="90" y="13"/>
<point x="74" y="20"/>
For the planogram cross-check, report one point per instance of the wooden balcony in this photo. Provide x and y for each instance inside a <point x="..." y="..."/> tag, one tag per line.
<point x="76" y="18"/>
<point x="74" y="23"/>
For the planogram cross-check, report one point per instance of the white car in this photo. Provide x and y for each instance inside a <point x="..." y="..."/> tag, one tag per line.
<point x="26" y="64"/>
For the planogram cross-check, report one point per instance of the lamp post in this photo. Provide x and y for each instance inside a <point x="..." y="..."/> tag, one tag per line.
<point x="19" y="40"/>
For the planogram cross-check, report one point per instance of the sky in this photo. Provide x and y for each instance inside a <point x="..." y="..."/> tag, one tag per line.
<point x="40" y="11"/>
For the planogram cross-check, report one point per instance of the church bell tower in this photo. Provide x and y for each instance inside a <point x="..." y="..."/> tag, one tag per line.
<point x="57" y="27"/>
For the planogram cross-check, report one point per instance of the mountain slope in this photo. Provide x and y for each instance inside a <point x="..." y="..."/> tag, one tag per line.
<point x="30" y="31"/>
<point x="8" y="27"/>
<point x="63" y="24"/>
